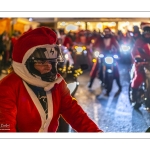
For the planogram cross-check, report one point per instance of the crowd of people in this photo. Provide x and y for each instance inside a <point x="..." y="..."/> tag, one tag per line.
<point x="6" y="46"/>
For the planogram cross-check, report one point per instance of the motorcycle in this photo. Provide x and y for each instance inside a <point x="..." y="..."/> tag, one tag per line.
<point x="125" y="52"/>
<point x="143" y="90"/>
<point x="82" y="54"/>
<point x="108" y="62"/>
<point x="70" y="73"/>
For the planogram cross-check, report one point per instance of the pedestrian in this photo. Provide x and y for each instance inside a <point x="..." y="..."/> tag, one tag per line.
<point x="34" y="95"/>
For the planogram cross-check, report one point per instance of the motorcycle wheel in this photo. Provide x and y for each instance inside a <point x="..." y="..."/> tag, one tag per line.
<point x="135" y="105"/>
<point x="109" y="82"/>
<point x="147" y="95"/>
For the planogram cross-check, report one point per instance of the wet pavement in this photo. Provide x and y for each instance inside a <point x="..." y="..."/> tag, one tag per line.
<point x="112" y="114"/>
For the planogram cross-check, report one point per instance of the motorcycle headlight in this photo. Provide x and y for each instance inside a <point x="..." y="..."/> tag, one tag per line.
<point x="109" y="71"/>
<point x="125" y="47"/>
<point x="66" y="56"/>
<point x="101" y="55"/>
<point x="109" y="60"/>
<point x="79" y="49"/>
<point x="83" y="47"/>
<point x="85" y="52"/>
<point x="96" y="54"/>
<point x="116" y="56"/>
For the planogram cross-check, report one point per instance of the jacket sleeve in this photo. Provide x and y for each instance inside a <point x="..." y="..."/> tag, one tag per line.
<point x="72" y="112"/>
<point x="135" y="52"/>
<point x="8" y="109"/>
<point x="116" y="46"/>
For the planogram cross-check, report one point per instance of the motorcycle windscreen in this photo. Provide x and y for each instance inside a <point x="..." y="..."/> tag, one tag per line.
<point x="72" y="86"/>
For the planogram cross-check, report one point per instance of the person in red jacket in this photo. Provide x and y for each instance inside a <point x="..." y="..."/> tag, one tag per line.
<point x="106" y="43"/>
<point x="141" y="43"/>
<point x="34" y="95"/>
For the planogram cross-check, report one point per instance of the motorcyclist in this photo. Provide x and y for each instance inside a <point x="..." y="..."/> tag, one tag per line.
<point x="141" y="43"/>
<point x="136" y="33"/>
<point x="34" y="95"/>
<point x="108" y="43"/>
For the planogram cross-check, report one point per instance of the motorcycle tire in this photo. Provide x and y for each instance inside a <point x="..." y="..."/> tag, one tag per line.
<point x="109" y="82"/>
<point x="136" y="104"/>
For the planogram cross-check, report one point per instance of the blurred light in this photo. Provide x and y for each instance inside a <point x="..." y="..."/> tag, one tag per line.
<point x="83" y="47"/>
<point x="109" y="71"/>
<point x="78" y="23"/>
<point x="94" y="60"/>
<point x="63" y="23"/>
<point x="101" y="55"/>
<point x="92" y="41"/>
<point x="96" y="53"/>
<point x="79" y="49"/>
<point x="85" y="52"/>
<point x="109" y="60"/>
<point x="99" y="25"/>
<point x="71" y="27"/>
<point x="30" y="19"/>
<point x="66" y="56"/>
<point x="125" y="47"/>
<point x="131" y="34"/>
<point x="115" y="56"/>
<point x="113" y="24"/>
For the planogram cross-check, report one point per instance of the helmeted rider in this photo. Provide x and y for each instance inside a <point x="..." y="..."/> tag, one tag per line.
<point x="108" y="43"/>
<point x="34" y="94"/>
<point x="142" y="43"/>
<point x="136" y="32"/>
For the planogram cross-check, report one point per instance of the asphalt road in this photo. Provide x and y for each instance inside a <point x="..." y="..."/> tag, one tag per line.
<point x="112" y="114"/>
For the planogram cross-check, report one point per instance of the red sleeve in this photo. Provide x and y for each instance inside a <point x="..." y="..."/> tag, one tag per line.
<point x="8" y="109"/>
<point x="68" y="42"/>
<point x="116" y="45"/>
<point x="74" y="114"/>
<point x="135" y="51"/>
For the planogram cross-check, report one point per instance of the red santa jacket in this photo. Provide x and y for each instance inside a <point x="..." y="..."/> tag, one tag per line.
<point x="140" y="43"/>
<point x="21" y="111"/>
<point x="109" y="43"/>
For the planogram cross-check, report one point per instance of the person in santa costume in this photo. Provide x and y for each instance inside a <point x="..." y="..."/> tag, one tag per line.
<point x="142" y="43"/>
<point x="34" y="95"/>
<point x="107" y="43"/>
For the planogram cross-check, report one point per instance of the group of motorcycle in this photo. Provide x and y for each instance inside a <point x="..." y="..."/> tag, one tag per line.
<point x="108" y="61"/>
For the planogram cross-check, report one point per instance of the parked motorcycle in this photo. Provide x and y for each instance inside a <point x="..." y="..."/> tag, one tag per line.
<point x="143" y="90"/>
<point x="108" y="62"/>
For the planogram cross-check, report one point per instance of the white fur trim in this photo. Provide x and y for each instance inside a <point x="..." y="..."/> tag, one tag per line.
<point x="50" y="86"/>
<point x="21" y="70"/>
<point x="44" y="122"/>
<point x="37" y="103"/>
